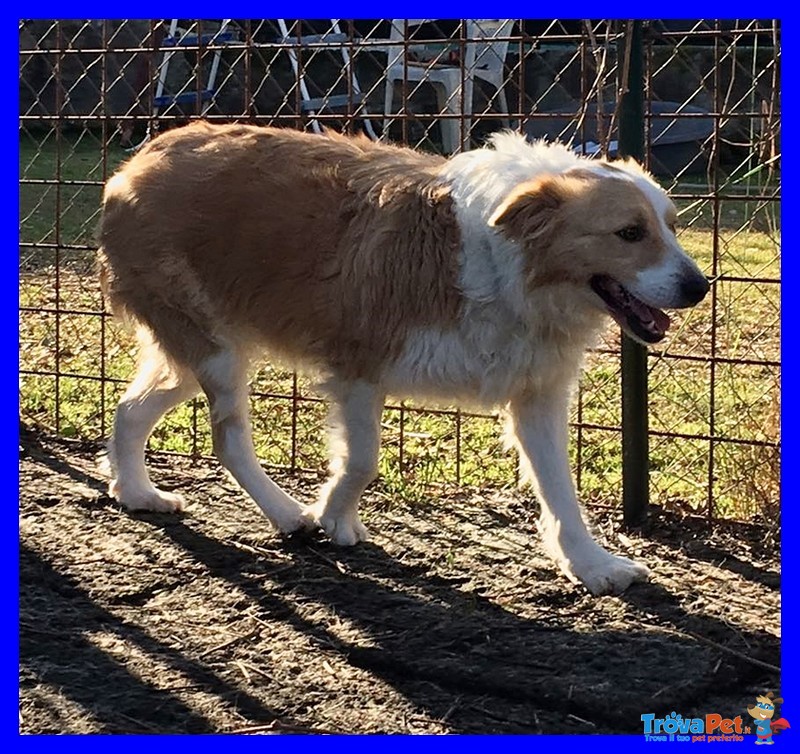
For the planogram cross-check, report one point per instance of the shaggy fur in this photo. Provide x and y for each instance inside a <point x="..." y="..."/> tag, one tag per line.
<point x="478" y="279"/>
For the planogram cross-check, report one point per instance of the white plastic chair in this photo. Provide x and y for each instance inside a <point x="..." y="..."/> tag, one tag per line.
<point x="485" y="51"/>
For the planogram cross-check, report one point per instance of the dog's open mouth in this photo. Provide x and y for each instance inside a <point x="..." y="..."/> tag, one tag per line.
<point x="643" y="322"/>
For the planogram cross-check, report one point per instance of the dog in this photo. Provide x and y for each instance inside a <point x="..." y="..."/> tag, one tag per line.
<point x="478" y="279"/>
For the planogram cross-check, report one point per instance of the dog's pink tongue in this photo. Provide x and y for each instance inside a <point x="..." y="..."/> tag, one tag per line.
<point x="649" y="314"/>
<point x="661" y="319"/>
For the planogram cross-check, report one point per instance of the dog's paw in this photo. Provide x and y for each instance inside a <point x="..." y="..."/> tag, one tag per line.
<point x="345" y="530"/>
<point x="603" y="573"/>
<point x="289" y="519"/>
<point x="147" y="500"/>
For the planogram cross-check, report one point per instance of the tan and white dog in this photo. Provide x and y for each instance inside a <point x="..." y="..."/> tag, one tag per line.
<point x="481" y="279"/>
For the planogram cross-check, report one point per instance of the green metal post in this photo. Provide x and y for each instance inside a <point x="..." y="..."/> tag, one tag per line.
<point x="635" y="450"/>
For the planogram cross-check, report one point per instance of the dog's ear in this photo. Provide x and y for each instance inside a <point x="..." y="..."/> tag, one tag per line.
<point x="532" y="207"/>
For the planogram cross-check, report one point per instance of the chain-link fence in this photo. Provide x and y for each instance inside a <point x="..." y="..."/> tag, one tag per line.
<point x="92" y="90"/>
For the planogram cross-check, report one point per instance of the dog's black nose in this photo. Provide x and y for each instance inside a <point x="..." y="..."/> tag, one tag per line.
<point x="694" y="289"/>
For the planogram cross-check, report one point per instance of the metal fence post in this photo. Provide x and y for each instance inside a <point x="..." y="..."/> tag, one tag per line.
<point x="635" y="471"/>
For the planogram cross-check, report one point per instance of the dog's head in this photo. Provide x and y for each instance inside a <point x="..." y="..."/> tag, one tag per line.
<point x="610" y="230"/>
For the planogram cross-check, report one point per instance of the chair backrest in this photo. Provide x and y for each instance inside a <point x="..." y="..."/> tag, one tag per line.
<point x="486" y="46"/>
<point x="398" y="31"/>
<point x="491" y="46"/>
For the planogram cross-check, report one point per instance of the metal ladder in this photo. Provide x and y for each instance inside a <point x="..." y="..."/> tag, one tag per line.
<point x="315" y="105"/>
<point x="175" y="39"/>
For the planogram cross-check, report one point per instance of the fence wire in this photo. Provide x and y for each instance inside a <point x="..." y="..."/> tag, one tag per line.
<point x="92" y="90"/>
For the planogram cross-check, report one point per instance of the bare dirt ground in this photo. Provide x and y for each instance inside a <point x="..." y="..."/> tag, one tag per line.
<point x="450" y="621"/>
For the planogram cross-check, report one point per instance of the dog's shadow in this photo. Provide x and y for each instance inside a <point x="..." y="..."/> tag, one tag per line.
<point x="441" y="645"/>
<point x="560" y="662"/>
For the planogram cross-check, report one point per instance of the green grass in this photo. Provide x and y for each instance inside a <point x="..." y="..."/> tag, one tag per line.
<point x="437" y="450"/>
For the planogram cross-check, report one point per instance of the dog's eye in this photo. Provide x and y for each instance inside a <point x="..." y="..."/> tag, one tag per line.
<point x="673" y="228"/>
<point x="631" y="233"/>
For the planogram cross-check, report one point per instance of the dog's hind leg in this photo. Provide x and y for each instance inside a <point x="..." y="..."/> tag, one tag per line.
<point x="354" y="444"/>
<point x="540" y="429"/>
<point x="158" y="386"/>
<point x="223" y="377"/>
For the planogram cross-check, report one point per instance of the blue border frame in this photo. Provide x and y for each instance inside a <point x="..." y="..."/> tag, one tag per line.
<point x="791" y="166"/>
<point x="10" y="519"/>
<point x="790" y="226"/>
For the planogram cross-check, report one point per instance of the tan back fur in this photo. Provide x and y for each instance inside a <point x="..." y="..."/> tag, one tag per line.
<point x="327" y="250"/>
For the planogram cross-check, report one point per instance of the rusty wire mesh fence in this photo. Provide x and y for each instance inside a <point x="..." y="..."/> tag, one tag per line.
<point x="91" y="90"/>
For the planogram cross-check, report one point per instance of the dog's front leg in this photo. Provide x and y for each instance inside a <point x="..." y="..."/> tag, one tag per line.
<point x="540" y="429"/>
